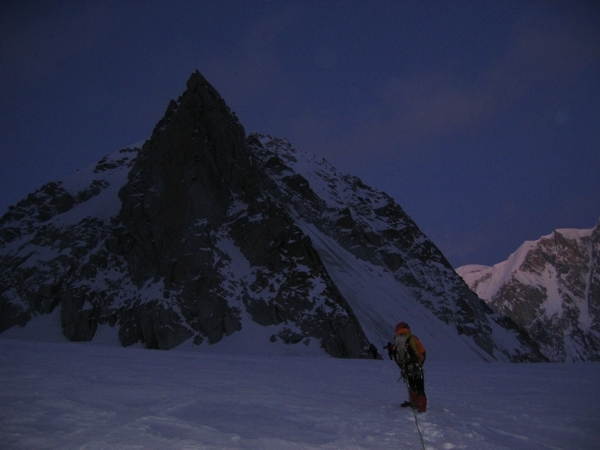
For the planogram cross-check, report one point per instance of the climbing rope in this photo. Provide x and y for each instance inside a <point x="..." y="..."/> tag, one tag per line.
<point x="415" y="414"/>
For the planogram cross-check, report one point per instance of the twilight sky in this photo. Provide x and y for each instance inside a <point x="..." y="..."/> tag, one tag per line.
<point x="480" y="118"/>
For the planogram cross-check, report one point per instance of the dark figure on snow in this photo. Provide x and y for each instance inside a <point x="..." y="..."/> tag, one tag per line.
<point x="409" y="354"/>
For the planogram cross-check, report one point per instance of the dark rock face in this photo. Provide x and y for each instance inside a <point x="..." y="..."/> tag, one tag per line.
<point x="204" y="230"/>
<point x="182" y="176"/>
<point x="162" y="269"/>
<point x="177" y="204"/>
<point x="178" y="195"/>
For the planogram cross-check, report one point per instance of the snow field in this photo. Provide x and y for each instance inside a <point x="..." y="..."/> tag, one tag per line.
<point x="86" y="396"/>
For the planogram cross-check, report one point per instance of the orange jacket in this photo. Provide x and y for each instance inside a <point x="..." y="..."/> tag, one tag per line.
<point x="414" y="344"/>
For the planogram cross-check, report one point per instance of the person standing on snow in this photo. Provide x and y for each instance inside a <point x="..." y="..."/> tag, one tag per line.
<point x="409" y="354"/>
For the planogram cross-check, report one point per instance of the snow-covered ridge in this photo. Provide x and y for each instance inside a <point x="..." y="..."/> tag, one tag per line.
<point x="90" y="192"/>
<point x="552" y="288"/>
<point x="386" y="268"/>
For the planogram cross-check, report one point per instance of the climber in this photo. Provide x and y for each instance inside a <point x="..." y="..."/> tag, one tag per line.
<point x="410" y="355"/>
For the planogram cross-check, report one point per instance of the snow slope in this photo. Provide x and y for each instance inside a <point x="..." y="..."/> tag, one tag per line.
<point x="384" y="266"/>
<point x="381" y="302"/>
<point x="62" y="395"/>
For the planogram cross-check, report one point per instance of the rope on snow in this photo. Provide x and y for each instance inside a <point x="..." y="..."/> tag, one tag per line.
<point x="415" y="414"/>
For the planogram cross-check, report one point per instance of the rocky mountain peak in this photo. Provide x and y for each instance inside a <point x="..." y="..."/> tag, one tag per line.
<point x="551" y="288"/>
<point x="185" y="177"/>
<point x="204" y="233"/>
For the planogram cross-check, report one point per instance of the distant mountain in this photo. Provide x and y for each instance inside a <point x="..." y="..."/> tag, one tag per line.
<point x="204" y="233"/>
<point x="551" y="288"/>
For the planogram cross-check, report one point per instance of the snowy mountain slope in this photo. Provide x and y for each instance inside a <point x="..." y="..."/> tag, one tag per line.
<point x="380" y="302"/>
<point x="56" y="230"/>
<point x="386" y="268"/>
<point x="165" y="267"/>
<point x="203" y="235"/>
<point x="551" y="287"/>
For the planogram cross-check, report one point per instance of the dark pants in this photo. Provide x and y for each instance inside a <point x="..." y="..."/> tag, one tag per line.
<point x="416" y="388"/>
<point x="417" y="385"/>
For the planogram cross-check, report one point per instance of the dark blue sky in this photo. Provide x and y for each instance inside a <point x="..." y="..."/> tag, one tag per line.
<point x="482" y="119"/>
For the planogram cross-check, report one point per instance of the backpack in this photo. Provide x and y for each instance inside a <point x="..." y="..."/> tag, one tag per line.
<point x="420" y="348"/>
<point x="419" y="356"/>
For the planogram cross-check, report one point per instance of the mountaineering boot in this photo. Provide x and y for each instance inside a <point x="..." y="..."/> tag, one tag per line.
<point x="412" y="398"/>
<point x="421" y="403"/>
<point x="406" y="404"/>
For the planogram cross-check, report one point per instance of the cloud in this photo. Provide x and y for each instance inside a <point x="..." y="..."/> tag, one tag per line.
<point x="429" y="104"/>
<point x="542" y="50"/>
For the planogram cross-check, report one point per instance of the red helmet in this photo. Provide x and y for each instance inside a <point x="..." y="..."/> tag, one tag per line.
<point x="402" y="325"/>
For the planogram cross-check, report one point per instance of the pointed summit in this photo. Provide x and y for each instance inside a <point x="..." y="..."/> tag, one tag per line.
<point x="187" y="173"/>
<point x="193" y="191"/>
<point x="206" y="236"/>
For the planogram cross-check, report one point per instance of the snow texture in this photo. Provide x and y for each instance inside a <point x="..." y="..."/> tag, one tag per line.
<point x="62" y="395"/>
